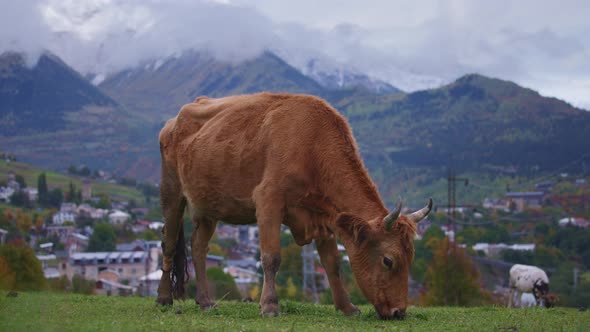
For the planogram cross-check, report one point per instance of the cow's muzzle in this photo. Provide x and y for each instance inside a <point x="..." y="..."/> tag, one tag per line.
<point x="394" y="313"/>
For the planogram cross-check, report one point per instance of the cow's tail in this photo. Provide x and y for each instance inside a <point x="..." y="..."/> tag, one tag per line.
<point x="180" y="274"/>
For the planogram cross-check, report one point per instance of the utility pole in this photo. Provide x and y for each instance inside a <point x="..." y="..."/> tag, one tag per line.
<point x="309" y="287"/>
<point x="451" y="195"/>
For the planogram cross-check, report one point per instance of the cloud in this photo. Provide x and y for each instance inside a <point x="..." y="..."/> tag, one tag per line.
<point x="411" y="45"/>
<point x="23" y="29"/>
<point x="113" y="35"/>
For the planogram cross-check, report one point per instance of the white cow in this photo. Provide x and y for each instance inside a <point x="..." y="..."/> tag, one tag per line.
<point x="528" y="279"/>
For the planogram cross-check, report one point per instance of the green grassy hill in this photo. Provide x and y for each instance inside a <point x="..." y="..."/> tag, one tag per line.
<point x="58" y="312"/>
<point x="54" y="179"/>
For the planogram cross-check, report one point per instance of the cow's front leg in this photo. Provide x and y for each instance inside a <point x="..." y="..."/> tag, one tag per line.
<point x="511" y="297"/>
<point x="330" y="259"/>
<point x="202" y="233"/>
<point x="269" y="215"/>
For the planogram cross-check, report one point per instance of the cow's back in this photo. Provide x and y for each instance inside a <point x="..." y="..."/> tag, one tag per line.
<point x="223" y="147"/>
<point x="523" y="277"/>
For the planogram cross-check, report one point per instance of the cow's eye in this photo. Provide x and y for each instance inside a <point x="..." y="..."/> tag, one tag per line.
<point x="387" y="262"/>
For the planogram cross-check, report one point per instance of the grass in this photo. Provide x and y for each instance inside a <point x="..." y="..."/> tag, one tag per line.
<point x="54" y="179"/>
<point x="45" y="311"/>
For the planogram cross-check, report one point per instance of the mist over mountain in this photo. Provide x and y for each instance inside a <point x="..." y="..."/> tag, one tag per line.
<point x="411" y="46"/>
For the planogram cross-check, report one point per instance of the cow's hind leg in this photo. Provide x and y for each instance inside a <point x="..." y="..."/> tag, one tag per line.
<point x="173" y="205"/>
<point x="269" y="216"/>
<point x="330" y="259"/>
<point x="204" y="229"/>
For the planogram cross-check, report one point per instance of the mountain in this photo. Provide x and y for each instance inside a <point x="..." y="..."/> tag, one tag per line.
<point x="480" y="120"/>
<point x="337" y="77"/>
<point x="51" y="116"/>
<point x="37" y="99"/>
<point x="489" y="126"/>
<point x="158" y="89"/>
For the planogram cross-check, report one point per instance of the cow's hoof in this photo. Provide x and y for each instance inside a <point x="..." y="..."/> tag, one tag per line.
<point x="350" y="310"/>
<point x="164" y="301"/>
<point x="270" y="310"/>
<point x="207" y="306"/>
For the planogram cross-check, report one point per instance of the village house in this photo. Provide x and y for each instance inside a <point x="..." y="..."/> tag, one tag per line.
<point x="129" y="266"/>
<point x="246" y="263"/>
<point x="496" y="204"/>
<point x="422" y="227"/>
<point x="12" y="183"/>
<point x="138" y="245"/>
<point x="226" y="232"/>
<point x="148" y="284"/>
<point x="245" y="278"/>
<point x="491" y="249"/>
<point x="85" y="210"/>
<point x="32" y="194"/>
<point x="525" y="200"/>
<point x="118" y="217"/>
<point x="68" y="207"/>
<point x="140" y="226"/>
<point x="61" y="217"/>
<point x="156" y="225"/>
<point x="573" y="221"/>
<point x="61" y="232"/>
<point x="76" y="242"/>
<point x="5" y="194"/>
<point x="544" y="186"/>
<point x="109" y="287"/>
<point x="3" y="233"/>
<point x="49" y="265"/>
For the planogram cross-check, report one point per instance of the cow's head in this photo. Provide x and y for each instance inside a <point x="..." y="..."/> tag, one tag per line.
<point x="381" y="252"/>
<point x="540" y="289"/>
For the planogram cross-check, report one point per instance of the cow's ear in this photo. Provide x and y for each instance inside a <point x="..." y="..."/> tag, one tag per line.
<point x="353" y="228"/>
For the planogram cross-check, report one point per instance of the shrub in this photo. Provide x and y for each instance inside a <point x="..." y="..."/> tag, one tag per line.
<point x="19" y="268"/>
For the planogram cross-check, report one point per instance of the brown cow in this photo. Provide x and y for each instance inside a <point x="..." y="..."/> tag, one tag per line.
<point x="275" y="159"/>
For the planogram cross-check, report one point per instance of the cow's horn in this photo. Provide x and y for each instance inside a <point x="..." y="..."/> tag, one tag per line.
<point x="390" y="219"/>
<point x="422" y="213"/>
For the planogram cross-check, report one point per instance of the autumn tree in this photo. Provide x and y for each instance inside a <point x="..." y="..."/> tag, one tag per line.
<point x="19" y="268"/>
<point x="452" y="278"/>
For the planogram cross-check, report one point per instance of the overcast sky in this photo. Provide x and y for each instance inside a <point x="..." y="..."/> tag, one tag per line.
<point x="544" y="45"/>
